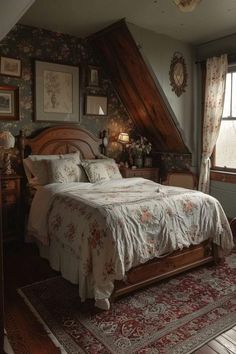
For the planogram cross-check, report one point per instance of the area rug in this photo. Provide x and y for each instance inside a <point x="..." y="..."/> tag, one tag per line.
<point x="176" y="316"/>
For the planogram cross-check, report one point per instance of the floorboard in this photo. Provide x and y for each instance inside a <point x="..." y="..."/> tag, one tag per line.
<point x="23" y="266"/>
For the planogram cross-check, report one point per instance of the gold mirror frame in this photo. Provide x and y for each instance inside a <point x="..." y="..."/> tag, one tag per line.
<point x="178" y="74"/>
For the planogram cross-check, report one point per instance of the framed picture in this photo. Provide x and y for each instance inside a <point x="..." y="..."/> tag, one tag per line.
<point x="94" y="76"/>
<point x="96" y="105"/>
<point x="9" y="103"/>
<point x="56" y="92"/>
<point x="10" y="67"/>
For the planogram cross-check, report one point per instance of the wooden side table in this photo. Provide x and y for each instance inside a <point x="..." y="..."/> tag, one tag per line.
<point x="148" y="173"/>
<point x="11" y="207"/>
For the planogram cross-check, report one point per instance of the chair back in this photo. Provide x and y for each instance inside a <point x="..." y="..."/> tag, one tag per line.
<point x="185" y="179"/>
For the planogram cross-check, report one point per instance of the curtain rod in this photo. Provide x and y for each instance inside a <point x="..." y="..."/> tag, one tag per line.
<point x="231" y="59"/>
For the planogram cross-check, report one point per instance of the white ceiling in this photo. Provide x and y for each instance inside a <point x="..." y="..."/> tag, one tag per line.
<point x="210" y="20"/>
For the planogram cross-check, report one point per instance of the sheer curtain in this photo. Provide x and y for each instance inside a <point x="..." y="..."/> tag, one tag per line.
<point x="216" y="70"/>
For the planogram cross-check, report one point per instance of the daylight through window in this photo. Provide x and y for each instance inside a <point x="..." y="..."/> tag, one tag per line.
<point x="225" y="151"/>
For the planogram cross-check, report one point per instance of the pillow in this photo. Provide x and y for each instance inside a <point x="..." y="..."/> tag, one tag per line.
<point x="109" y="165"/>
<point x="28" y="163"/>
<point x="95" y="171"/>
<point x="39" y="173"/>
<point x="75" y="156"/>
<point x="65" y="171"/>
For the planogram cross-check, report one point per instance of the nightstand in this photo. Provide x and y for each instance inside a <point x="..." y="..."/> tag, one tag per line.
<point x="148" y="173"/>
<point x="11" y="207"/>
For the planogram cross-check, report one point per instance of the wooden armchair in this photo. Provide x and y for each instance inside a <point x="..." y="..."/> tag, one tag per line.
<point x="185" y="179"/>
<point x="233" y="228"/>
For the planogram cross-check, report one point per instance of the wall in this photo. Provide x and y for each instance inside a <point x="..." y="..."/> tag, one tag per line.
<point x="11" y="12"/>
<point x="224" y="192"/>
<point x="217" y="47"/>
<point x="28" y="44"/>
<point x="157" y="51"/>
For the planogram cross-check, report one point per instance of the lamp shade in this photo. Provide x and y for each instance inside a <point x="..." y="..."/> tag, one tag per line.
<point x="7" y="140"/>
<point x="186" y="5"/>
<point x="123" y="138"/>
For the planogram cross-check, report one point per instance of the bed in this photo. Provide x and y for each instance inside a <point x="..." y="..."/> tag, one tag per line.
<point x="118" y="235"/>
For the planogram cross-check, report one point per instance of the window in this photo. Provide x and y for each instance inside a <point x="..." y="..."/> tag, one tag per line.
<point x="225" y="150"/>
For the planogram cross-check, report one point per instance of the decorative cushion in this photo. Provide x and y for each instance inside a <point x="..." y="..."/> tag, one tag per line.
<point x="65" y="171"/>
<point x="95" y="171"/>
<point x="28" y="164"/>
<point x="39" y="173"/>
<point x="75" y="156"/>
<point x="109" y="165"/>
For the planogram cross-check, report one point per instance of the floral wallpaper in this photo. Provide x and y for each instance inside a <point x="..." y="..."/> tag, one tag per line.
<point x="29" y="43"/>
<point x="172" y="162"/>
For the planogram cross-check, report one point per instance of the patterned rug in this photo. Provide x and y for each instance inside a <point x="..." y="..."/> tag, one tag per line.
<point x="175" y="316"/>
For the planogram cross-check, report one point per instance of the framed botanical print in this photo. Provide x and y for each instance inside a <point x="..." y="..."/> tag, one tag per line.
<point x="93" y="76"/>
<point x="9" y="103"/>
<point x="95" y="105"/>
<point x="10" y="67"/>
<point x="56" y="92"/>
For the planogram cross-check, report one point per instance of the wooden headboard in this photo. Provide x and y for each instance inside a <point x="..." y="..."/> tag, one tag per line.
<point x="62" y="139"/>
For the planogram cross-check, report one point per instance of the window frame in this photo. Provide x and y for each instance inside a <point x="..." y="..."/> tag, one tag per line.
<point x="225" y="172"/>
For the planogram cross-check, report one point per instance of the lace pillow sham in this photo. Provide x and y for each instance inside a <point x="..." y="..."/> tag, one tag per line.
<point x="95" y="171"/>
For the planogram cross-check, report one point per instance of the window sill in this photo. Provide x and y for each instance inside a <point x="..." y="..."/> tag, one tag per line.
<point x="222" y="176"/>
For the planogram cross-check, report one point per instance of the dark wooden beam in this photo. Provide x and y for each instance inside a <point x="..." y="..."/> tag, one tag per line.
<point x="137" y="88"/>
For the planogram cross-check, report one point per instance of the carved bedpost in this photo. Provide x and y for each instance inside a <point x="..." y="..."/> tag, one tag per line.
<point x="22" y="144"/>
<point x="103" y="136"/>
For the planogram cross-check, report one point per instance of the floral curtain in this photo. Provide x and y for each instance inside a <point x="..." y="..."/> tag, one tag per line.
<point x="216" y="70"/>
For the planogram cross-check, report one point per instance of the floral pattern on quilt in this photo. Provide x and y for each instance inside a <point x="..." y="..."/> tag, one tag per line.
<point x="113" y="226"/>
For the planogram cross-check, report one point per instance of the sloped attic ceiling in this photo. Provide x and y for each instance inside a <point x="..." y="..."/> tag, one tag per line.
<point x="136" y="87"/>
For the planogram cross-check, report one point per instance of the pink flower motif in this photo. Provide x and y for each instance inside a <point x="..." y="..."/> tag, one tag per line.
<point x="146" y="216"/>
<point x="71" y="232"/>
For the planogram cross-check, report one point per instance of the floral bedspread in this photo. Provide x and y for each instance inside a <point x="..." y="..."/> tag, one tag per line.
<point x="114" y="225"/>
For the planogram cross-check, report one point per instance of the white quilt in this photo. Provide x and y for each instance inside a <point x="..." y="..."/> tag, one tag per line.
<point x="114" y="225"/>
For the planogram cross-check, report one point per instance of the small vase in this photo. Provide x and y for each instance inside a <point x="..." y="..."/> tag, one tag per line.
<point x="138" y="162"/>
<point x="148" y="161"/>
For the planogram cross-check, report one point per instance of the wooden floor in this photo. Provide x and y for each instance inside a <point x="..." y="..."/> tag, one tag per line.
<point x="23" y="266"/>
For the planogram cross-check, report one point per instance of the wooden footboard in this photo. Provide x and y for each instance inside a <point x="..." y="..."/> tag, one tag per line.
<point x="157" y="269"/>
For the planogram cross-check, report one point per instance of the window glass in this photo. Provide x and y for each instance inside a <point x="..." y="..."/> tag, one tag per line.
<point x="225" y="152"/>
<point x="226" y="111"/>
<point x="234" y="95"/>
<point x="225" y="149"/>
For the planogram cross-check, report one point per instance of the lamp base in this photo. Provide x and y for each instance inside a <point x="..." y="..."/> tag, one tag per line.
<point x="7" y="169"/>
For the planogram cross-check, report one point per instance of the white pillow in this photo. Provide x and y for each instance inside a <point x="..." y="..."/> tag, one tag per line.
<point x="75" y="156"/>
<point x="39" y="173"/>
<point x="95" y="171"/>
<point x="109" y="165"/>
<point x="65" y="171"/>
<point x="28" y="163"/>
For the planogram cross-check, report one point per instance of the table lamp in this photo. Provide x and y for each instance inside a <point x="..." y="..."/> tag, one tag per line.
<point x="123" y="138"/>
<point x="7" y="141"/>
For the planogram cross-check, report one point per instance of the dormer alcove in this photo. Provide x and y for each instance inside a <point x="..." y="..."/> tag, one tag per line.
<point x="137" y="88"/>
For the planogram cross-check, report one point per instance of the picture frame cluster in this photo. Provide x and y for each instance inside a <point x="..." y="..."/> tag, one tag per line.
<point x="56" y="92"/>
<point x="9" y="95"/>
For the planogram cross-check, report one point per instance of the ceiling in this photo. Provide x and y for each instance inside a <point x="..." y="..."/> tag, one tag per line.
<point x="211" y="19"/>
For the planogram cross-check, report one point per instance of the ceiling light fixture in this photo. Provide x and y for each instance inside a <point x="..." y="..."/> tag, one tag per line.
<point x="186" y="5"/>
